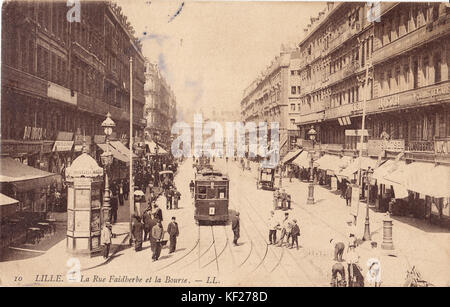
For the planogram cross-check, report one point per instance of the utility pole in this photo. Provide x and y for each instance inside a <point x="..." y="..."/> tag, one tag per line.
<point x="131" y="196"/>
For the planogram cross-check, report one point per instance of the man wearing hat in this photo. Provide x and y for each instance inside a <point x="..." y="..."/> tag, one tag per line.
<point x="235" y="226"/>
<point x="105" y="239"/>
<point x="285" y="229"/>
<point x="295" y="233"/>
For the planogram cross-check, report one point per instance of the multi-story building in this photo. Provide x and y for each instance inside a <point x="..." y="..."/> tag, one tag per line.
<point x="394" y="65"/>
<point x="61" y="78"/>
<point x="266" y="99"/>
<point x="405" y="50"/>
<point x="160" y="105"/>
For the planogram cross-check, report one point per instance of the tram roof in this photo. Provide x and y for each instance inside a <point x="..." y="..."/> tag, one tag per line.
<point x="209" y="175"/>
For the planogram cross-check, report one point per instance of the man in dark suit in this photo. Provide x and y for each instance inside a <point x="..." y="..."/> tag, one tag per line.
<point x="235" y="226"/>
<point x="173" y="231"/>
<point x="137" y="231"/>
<point x="348" y="195"/>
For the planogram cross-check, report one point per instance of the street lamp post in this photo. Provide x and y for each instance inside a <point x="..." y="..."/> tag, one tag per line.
<point x="312" y="136"/>
<point x="367" y="236"/>
<point x="107" y="159"/>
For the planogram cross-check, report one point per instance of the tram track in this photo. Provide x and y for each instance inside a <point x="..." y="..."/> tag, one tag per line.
<point x="299" y="265"/>
<point x="279" y="262"/>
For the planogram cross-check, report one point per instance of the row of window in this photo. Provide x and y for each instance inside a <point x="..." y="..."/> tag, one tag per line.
<point x="411" y="73"/>
<point x="407" y="18"/>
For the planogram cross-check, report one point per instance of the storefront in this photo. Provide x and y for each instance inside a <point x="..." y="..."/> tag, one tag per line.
<point x="63" y="153"/>
<point x="30" y="186"/>
<point x="287" y="161"/>
<point x="326" y="166"/>
<point x="303" y="162"/>
<point x="420" y="189"/>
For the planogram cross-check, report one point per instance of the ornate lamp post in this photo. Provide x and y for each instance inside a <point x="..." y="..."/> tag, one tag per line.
<point x="312" y="136"/>
<point x="367" y="236"/>
<point x="107" y="159"/>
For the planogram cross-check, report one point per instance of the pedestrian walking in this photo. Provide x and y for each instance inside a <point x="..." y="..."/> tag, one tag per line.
<point x="283" y="199"/>
<point x="295" y="233"/>
<point x="149" y="222"/>
<point x="338" y="269"/>
<point x="276" y="198"/>
<point x="285" y="229"/>
<point x="173" y="231"/>
<point x="176" y="197"/>
<point x="169" y="196"/>
<point x="106" y="236"/>
<point x="273" y="225"/>
<point x="120" y="193"/>
<point x="137" y="230"/>
<point x="191" y="187"/>
<point x="158" y="212"/>
<point x="339" y="248"/>
<point x="114" y="207"/>
<point x="235" y="226"/>
<point x="157" y="234"/>
<point x="126" y="189"/>
<point x="355" y="278"/>
<point x="348" y="195"/>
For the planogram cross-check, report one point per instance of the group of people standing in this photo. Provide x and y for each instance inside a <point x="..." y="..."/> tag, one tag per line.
<point x="288" y="228"/>
<point x="149" y="227"/>
<point x="281" y="200"/>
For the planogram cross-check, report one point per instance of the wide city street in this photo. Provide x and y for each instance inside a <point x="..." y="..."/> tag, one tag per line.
<point x="205" y="255"/>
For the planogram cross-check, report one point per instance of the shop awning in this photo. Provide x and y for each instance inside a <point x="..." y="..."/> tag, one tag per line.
<point x="6" y="200"/>
<point x="437" y="182"/>
<point x="122" y="149"/>
<point x="24" y="177"/>
<point x="302" y="160"/>
<point x="152" y="146"/>
<point x="116" y="154"/>
<point x="353" y="167"/>
<point x="327" y="162"/>
<point x="386" y="168"/>
<point x="8" y="205"/>
<point x="421" y="177"/>
<point x="291" y="156"/>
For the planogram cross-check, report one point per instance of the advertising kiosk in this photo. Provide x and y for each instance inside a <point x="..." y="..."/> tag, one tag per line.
<point x="84" y="180"/>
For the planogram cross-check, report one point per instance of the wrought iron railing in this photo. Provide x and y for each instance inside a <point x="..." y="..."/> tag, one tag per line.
<point x="420" y="146"/>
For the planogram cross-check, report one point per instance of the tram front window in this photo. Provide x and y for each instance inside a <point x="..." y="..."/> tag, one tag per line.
<point x="201" y="193"/>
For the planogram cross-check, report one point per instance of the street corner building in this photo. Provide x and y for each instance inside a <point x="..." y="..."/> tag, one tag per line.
<point x="387" y="63"/>
<point x="59" y="79"/>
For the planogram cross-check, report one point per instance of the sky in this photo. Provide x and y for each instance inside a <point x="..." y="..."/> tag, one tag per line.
<point x="209" y="52"/>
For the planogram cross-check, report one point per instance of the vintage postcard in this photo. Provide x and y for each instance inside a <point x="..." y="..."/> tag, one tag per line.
<point x="152" y="143"/>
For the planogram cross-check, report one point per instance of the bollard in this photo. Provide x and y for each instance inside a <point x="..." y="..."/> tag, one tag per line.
<point x="387" y="233"/>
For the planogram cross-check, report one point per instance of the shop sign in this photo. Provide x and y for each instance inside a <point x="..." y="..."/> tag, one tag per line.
<point x="377" y="147"/>
<point x="63" y="146"/>
<point x="353" y="132"/>
<point x="61" y="93"/>
<point x="389" y="102"/>
<point x="432" y="92"/>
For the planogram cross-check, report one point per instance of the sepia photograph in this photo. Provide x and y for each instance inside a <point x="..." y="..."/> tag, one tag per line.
<point x="222" y="143"/>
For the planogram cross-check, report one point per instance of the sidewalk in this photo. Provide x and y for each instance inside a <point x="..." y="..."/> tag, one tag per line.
<point x="416" y="242"/>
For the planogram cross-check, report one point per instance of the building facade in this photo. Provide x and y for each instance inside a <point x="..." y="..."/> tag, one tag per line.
<point x="266" y="99"/>
<point x="160" y="105"/>
<point x="406" y="54"/>
<point x="61" y="78"/>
